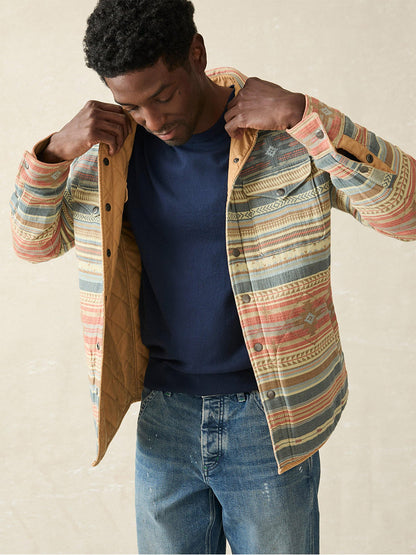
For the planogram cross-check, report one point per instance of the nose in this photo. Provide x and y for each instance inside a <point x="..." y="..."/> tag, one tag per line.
<point x="152" y="119"/>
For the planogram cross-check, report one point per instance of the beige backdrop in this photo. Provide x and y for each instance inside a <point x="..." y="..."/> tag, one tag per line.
<point x="359" y="56"/>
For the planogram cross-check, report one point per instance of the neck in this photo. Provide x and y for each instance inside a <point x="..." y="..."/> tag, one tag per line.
<point x="213" y="105"/>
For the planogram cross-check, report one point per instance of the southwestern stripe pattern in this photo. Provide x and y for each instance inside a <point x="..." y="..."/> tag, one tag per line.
<point x="279" y="232"/>
<point x="282" y="185"/>
<point x="56" y="207"/>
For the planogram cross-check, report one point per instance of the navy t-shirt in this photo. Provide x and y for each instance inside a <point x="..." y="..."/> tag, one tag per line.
<point x="176" y="205"/>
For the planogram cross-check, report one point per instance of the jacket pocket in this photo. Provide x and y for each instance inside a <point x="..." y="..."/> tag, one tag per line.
<point x="85" y="204"/>
<point x="289" y="211"/>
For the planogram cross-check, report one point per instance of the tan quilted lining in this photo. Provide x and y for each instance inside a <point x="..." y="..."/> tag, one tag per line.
<point x="124" y="357"/>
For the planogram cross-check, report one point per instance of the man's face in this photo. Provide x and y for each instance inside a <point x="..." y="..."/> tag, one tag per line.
<point x="167" y="103"/>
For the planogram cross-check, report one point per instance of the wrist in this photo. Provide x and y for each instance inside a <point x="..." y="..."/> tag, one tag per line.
<point x="50" y="153"/>
<point x="298" y="109"/>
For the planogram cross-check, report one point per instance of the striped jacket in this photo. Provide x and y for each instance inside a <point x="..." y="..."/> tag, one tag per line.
<point x="281" y="187"/>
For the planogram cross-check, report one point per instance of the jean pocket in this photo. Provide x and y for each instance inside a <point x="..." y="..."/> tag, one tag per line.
<point x="255" y="395"/>
<point x="147" y="397"/>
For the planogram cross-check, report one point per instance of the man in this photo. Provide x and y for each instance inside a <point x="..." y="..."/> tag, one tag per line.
<point x="202" y="229"/>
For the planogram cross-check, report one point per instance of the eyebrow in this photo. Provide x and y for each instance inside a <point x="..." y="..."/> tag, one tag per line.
<point x="154" y="95"/>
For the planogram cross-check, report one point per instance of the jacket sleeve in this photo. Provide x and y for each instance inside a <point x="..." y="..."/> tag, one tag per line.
<point x="41" y="213"/>
<point x="372" y="179"/>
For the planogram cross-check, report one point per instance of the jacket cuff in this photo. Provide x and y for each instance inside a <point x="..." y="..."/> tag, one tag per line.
<point x="34" y="170"/>
<point x="320" y="129"/>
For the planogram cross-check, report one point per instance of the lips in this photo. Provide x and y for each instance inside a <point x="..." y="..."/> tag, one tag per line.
<point x="166" y="135"/>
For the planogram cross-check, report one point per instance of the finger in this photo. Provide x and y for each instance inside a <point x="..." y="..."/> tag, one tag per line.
<point x="232" y="103"/>
<point x="112" y="107"/>
<point x="106" y="106"/>
<point x="121" y="120"/>
<point x="107" y="123"/>
<point x="120" y="117"/>
<point x="109" y="139"/>
<point x="232" y="112"/>
<point x="236" y="118"/>
<point x="119" y="132"/>
<point x="101" y="111"/>
<point x="233" y="130"/>
<point x="118" y="124"/>
<point x="123" y="114"/>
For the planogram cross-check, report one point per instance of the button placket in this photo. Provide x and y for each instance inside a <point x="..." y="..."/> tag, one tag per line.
<point x="106" y="162"/>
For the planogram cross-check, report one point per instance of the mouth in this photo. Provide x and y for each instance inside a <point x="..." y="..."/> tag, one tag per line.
<point x="167" y="135"/>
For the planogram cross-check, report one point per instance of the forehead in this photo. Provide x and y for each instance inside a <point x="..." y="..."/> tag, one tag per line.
<point x="138" y="86"/>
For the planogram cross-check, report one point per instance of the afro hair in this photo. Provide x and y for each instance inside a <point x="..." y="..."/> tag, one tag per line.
<point x="129" y="35"/>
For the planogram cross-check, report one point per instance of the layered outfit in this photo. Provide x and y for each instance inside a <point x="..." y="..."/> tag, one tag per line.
<point x="281" y="187"/>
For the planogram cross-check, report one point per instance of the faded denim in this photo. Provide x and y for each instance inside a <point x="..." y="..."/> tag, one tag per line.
<point x="205" y="472"/>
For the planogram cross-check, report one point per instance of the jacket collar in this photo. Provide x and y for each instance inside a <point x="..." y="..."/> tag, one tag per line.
<point x="240" y="149"/>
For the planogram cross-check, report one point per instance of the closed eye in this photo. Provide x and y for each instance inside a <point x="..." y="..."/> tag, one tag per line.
<point x="165" y="100"/>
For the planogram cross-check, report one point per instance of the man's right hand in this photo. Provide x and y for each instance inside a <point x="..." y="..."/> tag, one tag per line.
<point x="97" y="122"/>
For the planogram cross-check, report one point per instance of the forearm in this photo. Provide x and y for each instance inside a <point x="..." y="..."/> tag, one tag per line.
<point x="373" y="180"/>
<point x="41" y="216"/>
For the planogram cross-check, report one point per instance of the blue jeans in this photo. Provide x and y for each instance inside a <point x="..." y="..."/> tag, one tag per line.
<point x="205" y="471"/>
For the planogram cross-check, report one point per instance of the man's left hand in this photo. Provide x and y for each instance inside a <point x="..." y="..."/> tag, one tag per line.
<point x="263" y="105"/>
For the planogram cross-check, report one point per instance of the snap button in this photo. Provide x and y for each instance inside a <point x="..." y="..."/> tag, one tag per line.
<point x="236" y="160"/>
<point x="258" y="347"/>
<point x="271" y="394"/>
<point x="26" y="165"/>
<point x="108" y="252"/>
<point x="236" y="252"/>
<point x="98" y="346"/>
<point x="364" y="169"/>
<point x="108" y="207"/>
<point x="246" y="298"/>
<point x="106" y="161"/>
<point x="320" y="134"/>
<point x="95" y="210"/>
<point x="280" y="192"/>
<point x="369" y="158"/>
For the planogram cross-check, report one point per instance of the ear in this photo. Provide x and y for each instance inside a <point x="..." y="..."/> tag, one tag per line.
<point x="198" y="54"/>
